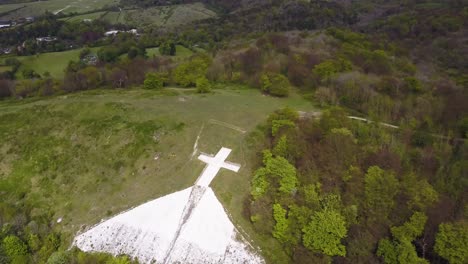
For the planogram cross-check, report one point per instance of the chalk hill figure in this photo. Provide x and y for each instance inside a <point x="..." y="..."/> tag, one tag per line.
<point x="189" y="226"/>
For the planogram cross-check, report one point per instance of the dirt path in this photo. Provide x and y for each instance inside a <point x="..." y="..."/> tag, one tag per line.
<point x="227" y="125"/>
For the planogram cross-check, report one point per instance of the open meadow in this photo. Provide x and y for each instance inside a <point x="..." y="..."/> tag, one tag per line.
<point x="56" y="62"/>
<point x="162" y="16"/>
<point x="53" y="62"/>
<point x="88" y="156"/>
<point x="53" y="6"/>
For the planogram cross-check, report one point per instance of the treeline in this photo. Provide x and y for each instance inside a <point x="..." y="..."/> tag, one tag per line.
<point x="338" y="190"/>
<point x="375" y="79"/>
<point x="341" y="67"/>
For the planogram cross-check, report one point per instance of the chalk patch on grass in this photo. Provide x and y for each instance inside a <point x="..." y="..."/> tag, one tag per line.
<point x="195" y="145"/>
<point x="189" y="226"/>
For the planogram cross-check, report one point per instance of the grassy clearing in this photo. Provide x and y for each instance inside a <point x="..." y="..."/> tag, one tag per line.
<point x="52" y="62"/>
<point x="92" y="16"/>
<point x="5" y="68"/>
<point x="40" y="7"/>
<point x="90" y="155"/>
<point x="167" y="16"/>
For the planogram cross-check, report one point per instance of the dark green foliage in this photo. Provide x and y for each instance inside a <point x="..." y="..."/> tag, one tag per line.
<point x="167" y="48"/>
<point x="108" y="54"/>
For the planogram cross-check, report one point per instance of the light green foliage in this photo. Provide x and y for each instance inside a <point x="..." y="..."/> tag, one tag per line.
<point x="380" y="189"/>
<point x="34" y="242"/>
<point x="59" y="257"/>
<point x="203" y="85"/>
<point x="281" y="147"/>
<point x="259" y="183"/>
<point x="275" y="84"/>
<point x="119" y="260"/>
<point x="411" y="229"/>
<point x="343" y="132"/>
<point x="324" y="233"/>
<point x="187" y="73"/>
<point x="276" y="125"/>
<point x="312" y="195"/>
<point x="400" y="250"/>
<point x="284" y="114"/>
<point x="281" y="227"/>
<point x="153" y="81"/>
<point x="275" y="168"/>
<point x="325" y="70"/>
<point x="14" y="248"/>
<point x="452" y="242"/>
<point x="51" y="244"/>
<point x="279" y="167"/>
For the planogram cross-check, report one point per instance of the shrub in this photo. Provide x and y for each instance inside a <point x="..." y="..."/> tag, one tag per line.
<point x="14" y="248"/>
<point x="412" y="84"/>
<point x="203" y="85"/>
<point x="325" y="70"/>
<point x="324" y="233"/>
<point x="187" y="73"/>
<point x="153" y="81"/>
<point x="275" y="84"/>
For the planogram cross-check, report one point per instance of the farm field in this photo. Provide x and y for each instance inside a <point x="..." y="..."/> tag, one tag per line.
<point x="79" y="18"/>
<point x="167" y="16"/>
<point x="87" y="156"/>
<point x="4" y="68"/>
<point x="54" y="6"/>
<point x="42" y="63"/>
<point x="52" y="62"/>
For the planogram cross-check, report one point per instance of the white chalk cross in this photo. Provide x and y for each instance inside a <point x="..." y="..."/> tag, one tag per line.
<point x="214" y="164"/>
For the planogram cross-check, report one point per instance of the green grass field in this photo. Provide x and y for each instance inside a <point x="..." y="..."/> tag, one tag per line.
<point x="65" y="6"/>
<point x="87" y="156"/>
<point x="167" y="16"/>
<point x="79" y="18"/>
<point x="4" y="68"/>
<point x="52" y="62"/>
<point x="56" y="62"/>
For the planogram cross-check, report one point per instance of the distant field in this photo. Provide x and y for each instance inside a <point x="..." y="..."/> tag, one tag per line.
<point x="90" y="155"/>
<point x="56" y="62"/>
<point x="53" y="62"/>
<point x="92" y="16"/>
<point x="4" y="68"/>
<point x="161" y="16"/>
<point x="54" y="6"/>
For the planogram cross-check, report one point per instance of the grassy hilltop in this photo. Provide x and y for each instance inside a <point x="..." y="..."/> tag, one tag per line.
<point x="86" y="156"/>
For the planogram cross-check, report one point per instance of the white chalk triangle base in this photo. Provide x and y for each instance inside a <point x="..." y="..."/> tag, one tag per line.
<point x="189" y="226"/>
